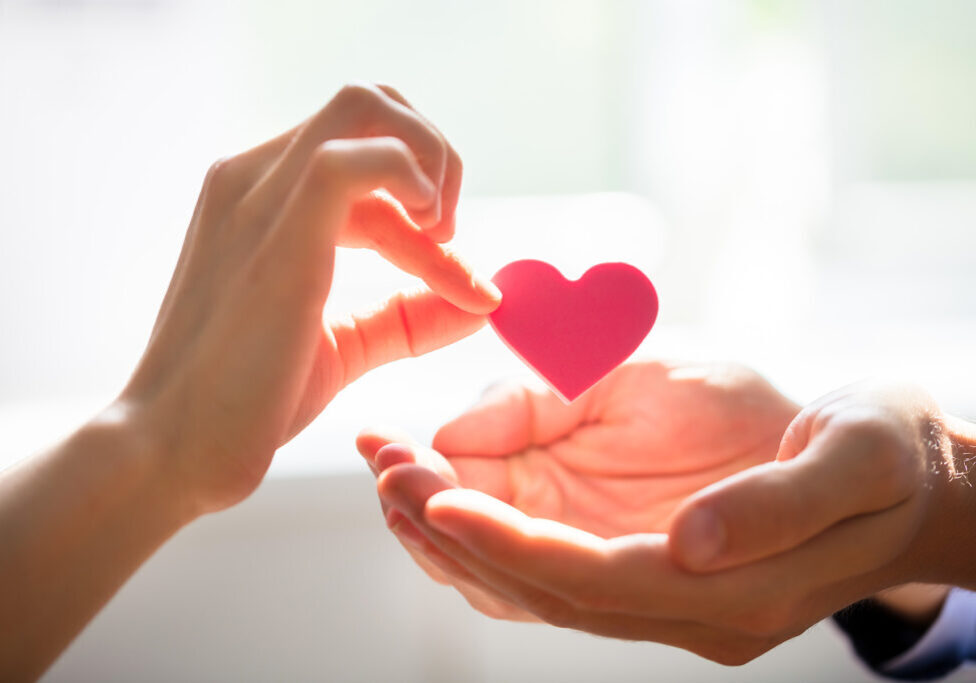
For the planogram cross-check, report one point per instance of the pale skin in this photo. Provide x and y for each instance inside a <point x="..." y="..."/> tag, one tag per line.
<point x="594" y="516"/>
<point x="239" y="359"/>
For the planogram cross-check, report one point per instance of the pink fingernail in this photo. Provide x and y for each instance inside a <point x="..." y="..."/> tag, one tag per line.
<point x="393" y="454"/>
<point x="701" y="537"/>
<point x="441" y="523"/>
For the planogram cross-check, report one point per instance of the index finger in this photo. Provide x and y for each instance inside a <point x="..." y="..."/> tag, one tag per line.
<point x="390" y="232"/>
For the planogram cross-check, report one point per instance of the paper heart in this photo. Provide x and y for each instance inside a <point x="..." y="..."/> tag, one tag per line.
<point x="572" y="333"/>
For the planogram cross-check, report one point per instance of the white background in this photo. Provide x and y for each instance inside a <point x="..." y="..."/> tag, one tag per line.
<point x="799" y="182"/>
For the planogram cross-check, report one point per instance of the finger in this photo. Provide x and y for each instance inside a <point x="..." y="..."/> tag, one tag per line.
<point x="491" y="606"/>
<point x="357" y="111"/>
<point x="304" y="235"/>
<point x="413" y="541"/>
<point x="626" y="574"/>
<point x="408" y="487"/>
<point x="446" y="571"/>
<point x="291" y="273"/>
<point x="510" y="418"/>
<point x="450" y="185"/>
<point x="398" y="454"/>
<point x="403" y="482"/>
<point x="408" y="324"/>
<point x="776" y="506"/>
<point x="372" y="439"/>
<point x="385" y="228"/>
<point x="612" y="575"/>
<point x="441" y="567"/>
<point x="490" y="476"/>
<point x="257" y="161"/>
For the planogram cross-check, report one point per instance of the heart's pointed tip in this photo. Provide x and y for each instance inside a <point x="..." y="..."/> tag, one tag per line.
<point x="572" y="333"/>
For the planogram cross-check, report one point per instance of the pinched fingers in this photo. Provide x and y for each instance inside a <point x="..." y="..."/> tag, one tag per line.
<point x="299" y="247"/>
<point x="357" y="111"/>
<point x="382" y="225"/>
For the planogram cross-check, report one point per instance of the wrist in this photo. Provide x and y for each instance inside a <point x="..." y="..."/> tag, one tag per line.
<point x="136" y="461"/>
<point x="947" y="552"/>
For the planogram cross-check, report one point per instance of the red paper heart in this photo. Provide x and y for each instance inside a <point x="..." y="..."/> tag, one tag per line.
<point x="572" y="333"/>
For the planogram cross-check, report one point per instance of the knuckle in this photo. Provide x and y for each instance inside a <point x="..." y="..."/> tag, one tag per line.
<point x="742" y="375"/>
<point x="726" y="655"/>
<point x="399" y="303"/>
<point x="479" y="604"/>
<point x="733" y="652"/>
<point x="864" y="427"/>
<point x="394" y="146"/>
<point x="892" y="475"/>
<point x="355" y="96"/>
<point x="219" y="173"/>
<point x="585" y="598"/>
<point x="882" y="456"/>
<point x="552" y="611"/>
<point x="871" y="432"/>
<point x="388" y="88"/>
<point x="328" y="161"/>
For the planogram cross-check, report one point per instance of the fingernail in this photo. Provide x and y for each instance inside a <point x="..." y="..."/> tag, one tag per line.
<point x="392" y="454"/>
<point x="407" y="488"/>
<point x="487" y="287"/>
<point x="443" y="526"/>
<point x="701" y="537"/>
<point x="446" y="524"/>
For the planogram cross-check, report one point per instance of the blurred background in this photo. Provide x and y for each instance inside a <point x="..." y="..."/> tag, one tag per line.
<point x="797" y="177"/>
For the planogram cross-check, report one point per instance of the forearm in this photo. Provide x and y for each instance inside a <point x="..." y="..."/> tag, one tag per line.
<point x="75" y="523"/>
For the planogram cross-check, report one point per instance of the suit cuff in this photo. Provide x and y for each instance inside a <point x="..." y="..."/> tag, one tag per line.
<point x="949" y="641"/>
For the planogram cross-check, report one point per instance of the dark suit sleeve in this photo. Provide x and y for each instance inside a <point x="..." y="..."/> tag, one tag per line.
<point x="895" y="648"/>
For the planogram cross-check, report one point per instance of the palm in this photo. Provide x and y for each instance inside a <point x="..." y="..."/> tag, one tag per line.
<point x="625" y="455"/>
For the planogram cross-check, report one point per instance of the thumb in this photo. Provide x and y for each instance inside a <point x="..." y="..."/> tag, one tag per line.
<point x="777" y="506"/>
<point x="410" y="323"/>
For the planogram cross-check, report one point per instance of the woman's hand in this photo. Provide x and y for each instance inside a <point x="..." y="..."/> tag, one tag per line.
<point x="617" y="461"/>
<point x="866" y="493"/>
<point x="239" y="360"/>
